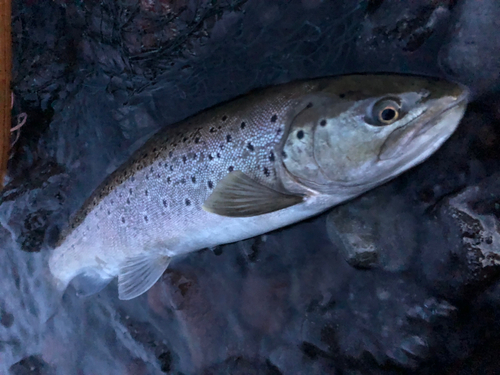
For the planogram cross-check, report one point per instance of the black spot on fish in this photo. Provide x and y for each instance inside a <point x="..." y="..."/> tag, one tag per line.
<point x="171" y="168"/>
<point x="250" y="146"/>
<point x="228" y="137"/>
<point x="152" y="170"/>
<point x="112" y="201"/>
<point x="169" y="180"/>
<point x="184" y="140"/>
<point x="323" y="123"/>
<point x="274" y="118"/>
<point x="224" y="118"/>
<point x="188" y="202"/>
<point x="342" y="96"/>
<point x="147" y="177"/>
<point x="300" y="134"/>
<point x="159" y="164"/>
<point x="123" y="220"/>
<point x="266" y="172"/>
<point x="271" y="156"/>
<point x="212" y="130"/>
<point x="210" y="157"/>
<point x="193" y="179"/>
<point x="145" y="218"/>
<point x="145" y="155"/>
<point x="210" y="184"/>
<point x="283" y="153"/>
<point x="146" y="192"/>
<point x="165" y="203"/>
<point x="170" y="154"/>
<point x="109" y="212"/>
<point x="194" y="156"/>
<point x="128" y="200"/>
<point x="184" y="159"/>
<point x="197" y="140"/>
<point x="221" y="147"/>
<point x="231" y="168"/>
<point x="278" y="131"/>
<point x="218" y="155"/>
<point x="183" y="181"/>
<point x="155" y="149"/>
<point x="309" y="105"/>
<point x="242" y="126"/>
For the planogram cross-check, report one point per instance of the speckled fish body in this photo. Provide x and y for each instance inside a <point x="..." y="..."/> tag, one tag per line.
<point x="260" y="162"/>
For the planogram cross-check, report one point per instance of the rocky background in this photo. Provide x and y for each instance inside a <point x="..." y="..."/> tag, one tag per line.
<point x="401" y="280"/>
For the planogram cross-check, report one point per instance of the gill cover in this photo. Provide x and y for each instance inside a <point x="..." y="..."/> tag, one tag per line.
<point x="298" y="151"/>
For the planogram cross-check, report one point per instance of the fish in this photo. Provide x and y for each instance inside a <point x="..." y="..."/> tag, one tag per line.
<point x="260" y="162"/>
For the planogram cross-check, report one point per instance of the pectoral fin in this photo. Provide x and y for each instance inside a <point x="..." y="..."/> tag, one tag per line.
<point x="237" y="195"/>
<point x="139" y="273"/>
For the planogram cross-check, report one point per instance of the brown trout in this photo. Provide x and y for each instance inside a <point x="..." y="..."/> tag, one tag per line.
<point x="260" y="162"/>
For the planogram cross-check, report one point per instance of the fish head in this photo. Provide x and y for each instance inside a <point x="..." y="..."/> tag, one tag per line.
<point x="358" y="131"/>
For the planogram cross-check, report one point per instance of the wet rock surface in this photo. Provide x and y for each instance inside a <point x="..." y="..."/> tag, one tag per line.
<point x="97" y="78"/>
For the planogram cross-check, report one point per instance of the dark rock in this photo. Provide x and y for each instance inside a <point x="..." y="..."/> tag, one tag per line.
<point x="472" y="49"/>
<point x="376" y="230"/>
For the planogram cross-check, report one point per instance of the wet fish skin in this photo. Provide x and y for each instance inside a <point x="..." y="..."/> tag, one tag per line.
<point x="255" y="164"/>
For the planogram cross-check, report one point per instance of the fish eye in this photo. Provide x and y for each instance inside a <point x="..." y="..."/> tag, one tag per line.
<point x="386" y="112"/>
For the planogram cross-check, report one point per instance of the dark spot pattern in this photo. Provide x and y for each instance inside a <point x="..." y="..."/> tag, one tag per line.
<point x="193" y="179"/>
<point x="224" y="118"/>
<point x="323" y="123"/>
<point x="188" y="202"/>
<point x="309" y="105"/>
<point x="210" y="157"/>
<point x="283" y="153"/>
<point x="300" y="134"/>
<point x="274" y="118"/>
<point x="228" y="138"/>
<point x="266" y="172"/>
<point x="123" y="220"/>
<point x="212" y="130"/>
<point x="184" y="159"/>
<point x="210" y="184"/>
<point x="231" y="168"/>
<point x="146" y="192"/>
<point x="165" y="203"/>
<point x="146" y="218"/>
<point x="250" y="146"/>
<point x="128" y="200"/>
<point x="271" y="156"/>
<point x="242" y="126"/>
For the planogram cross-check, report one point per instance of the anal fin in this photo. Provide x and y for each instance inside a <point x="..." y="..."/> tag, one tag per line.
<point x="238" y="195"/>
<point x="89" y="282"/>
<point x="138" y="274"/>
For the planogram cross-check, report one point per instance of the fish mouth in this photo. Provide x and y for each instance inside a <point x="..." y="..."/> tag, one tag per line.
<point x="405" y="137"/>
